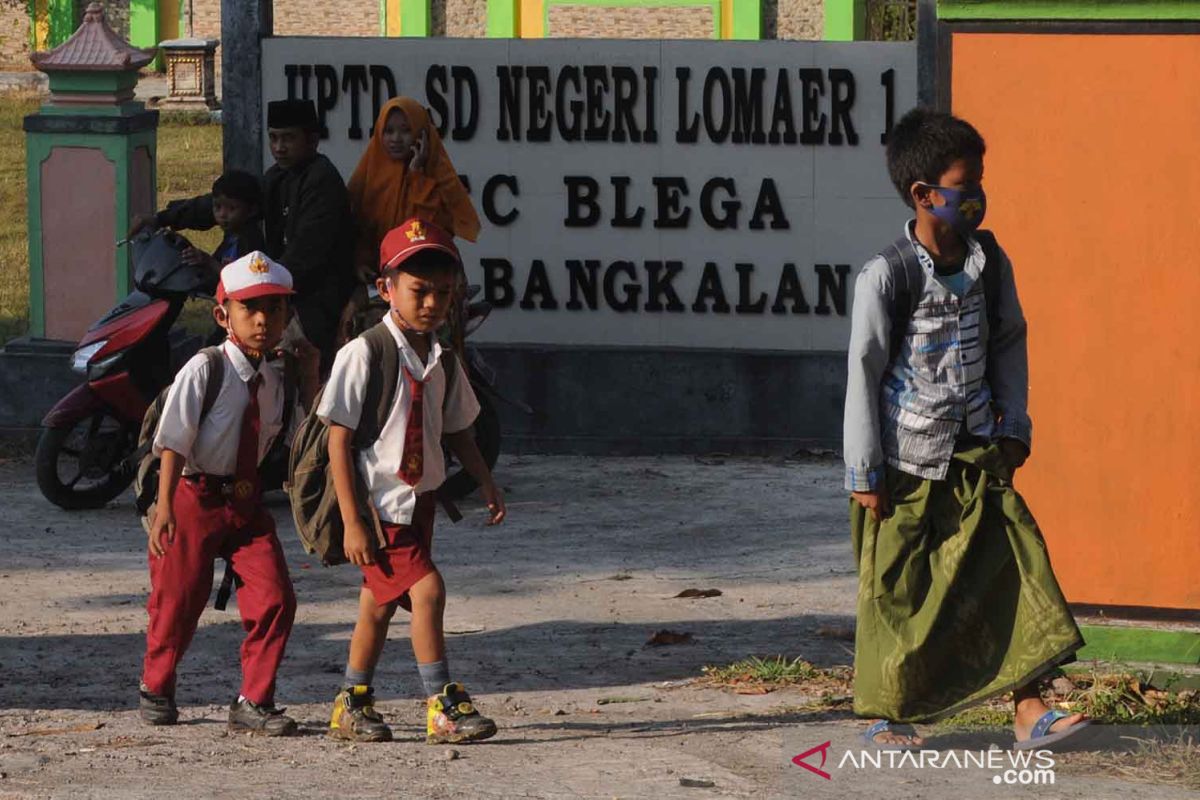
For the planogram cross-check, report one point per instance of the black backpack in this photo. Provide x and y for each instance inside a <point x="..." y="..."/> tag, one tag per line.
<point x="908" y="279"/>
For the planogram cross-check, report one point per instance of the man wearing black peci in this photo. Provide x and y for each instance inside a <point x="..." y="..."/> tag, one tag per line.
<point x="306" y="219"/>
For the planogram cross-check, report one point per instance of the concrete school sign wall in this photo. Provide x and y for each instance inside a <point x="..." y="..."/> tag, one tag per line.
<point x="642" y="193"/>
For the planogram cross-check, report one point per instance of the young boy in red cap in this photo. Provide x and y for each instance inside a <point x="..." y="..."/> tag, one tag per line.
<point x="419" y="276"/>
<point x="209" y="502"/>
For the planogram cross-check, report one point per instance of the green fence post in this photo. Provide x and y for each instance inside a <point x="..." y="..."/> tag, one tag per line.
<point x="414" y="17"/>
<point x="845" y="20"/>
<point x="502" y="16"/>
<point x="747" y="19"/>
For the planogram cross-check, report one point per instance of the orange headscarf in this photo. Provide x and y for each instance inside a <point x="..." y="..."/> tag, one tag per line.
<point x="385" y="192"/>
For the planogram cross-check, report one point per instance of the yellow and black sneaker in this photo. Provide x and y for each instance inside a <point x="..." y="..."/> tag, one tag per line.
<point x="355" y="718"/>
<point x="452" y="718"/>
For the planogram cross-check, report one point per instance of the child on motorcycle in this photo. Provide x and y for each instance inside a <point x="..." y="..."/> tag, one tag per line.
<point x="237" y="209"/>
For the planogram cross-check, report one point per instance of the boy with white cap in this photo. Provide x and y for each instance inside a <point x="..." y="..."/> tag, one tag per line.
<point x="209" y="501"/>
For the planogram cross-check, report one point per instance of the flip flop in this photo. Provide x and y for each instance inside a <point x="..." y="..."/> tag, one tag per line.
<point x="1040" y="736"/>
<point x="884" y="726"/>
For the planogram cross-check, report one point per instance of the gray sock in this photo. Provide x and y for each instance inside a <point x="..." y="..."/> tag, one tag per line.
<point x="434" y="676"/>
<point x="356" y="677"/>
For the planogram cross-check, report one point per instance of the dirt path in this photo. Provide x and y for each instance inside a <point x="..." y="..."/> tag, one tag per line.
<point x="549" y="613"/>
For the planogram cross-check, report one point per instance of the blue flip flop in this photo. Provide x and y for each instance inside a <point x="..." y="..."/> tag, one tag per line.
<point x="884" y="726"/>
<point x="1040" y="737"/>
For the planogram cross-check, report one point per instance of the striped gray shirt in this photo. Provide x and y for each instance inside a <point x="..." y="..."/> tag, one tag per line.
<point x="952" y="375"/>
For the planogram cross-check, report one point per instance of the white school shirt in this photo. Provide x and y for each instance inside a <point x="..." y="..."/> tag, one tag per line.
<point x="342" y="404"/>
<point x="211" y="447"/>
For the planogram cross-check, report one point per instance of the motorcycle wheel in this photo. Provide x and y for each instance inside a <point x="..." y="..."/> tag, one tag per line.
<point x="82" y="466"/>
<point x="459" y="483"/>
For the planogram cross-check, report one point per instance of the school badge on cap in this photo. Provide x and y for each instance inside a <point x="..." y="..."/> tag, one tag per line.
<point x="253" y="275"/>
<point x="410" y="238"/>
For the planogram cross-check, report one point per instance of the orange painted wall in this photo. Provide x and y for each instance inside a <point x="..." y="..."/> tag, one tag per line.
<point x="1093" y="180"/>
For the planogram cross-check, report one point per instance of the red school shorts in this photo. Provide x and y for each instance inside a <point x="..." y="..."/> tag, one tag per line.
<point x="407" y="558"/>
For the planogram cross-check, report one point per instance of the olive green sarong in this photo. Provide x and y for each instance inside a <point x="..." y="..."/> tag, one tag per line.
<point x="957" y="602"/>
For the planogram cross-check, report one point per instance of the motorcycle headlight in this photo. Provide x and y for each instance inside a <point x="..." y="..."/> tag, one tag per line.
<point x="98" y="369"/>
<point x="79" y="362"/>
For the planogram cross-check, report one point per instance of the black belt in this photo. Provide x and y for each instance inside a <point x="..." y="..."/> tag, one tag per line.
<point x="224" y="486"/>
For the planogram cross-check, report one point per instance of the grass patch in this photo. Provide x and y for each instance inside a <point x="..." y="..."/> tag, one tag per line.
<point x="189" y="159"/>
<point x="1110" y="698"/>
<point x="757" y="675"/>
<point x="1125" y="699"/>
<point x="1162" y="763"/>
<point x="14" y="252"/>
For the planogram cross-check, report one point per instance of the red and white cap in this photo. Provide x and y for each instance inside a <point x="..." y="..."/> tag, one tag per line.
<point x="253" y="275"/>
<point x="410" y="238"/>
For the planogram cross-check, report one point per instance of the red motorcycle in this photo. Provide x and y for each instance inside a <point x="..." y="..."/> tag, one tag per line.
<point x="128" y="356"/>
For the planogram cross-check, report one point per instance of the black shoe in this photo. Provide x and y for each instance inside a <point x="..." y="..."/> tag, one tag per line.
<point x="355" y="718"/>
<point x="246" y="716"/>
<point x="156" y="709"/>
<point x="452" y="718"/>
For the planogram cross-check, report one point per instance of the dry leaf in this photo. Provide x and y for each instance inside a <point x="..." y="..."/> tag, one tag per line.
<point x="836" y="632"/>
<point x="604" y="701"/>
<point x="699" y="593"/>
<point x="669" y="637"/>
<point x="83" y="727"/>
<point x="751" y="690"/>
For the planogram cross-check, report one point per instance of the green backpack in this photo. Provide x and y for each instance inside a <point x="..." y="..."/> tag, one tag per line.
<point x="310" y="481"/>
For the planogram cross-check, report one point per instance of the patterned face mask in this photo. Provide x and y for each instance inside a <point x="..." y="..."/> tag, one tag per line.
<point x="964" y="208"/>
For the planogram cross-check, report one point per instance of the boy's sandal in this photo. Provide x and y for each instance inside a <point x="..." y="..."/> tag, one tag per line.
<point x="1040" y="736"/>
<point x="884" y="726"/>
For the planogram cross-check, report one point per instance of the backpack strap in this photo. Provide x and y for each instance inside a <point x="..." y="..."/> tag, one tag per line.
<point x="381" y="384"/>
<point x="992" y="273"/>
<point x="212" y="388"/>
<point x="291" y="389"/>
<point x="450" y="368"/>
<point x="449" y="361"/>
<point x="908" y="281"/>
<point x="216" y="376"/>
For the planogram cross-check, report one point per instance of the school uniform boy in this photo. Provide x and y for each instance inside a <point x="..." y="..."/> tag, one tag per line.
<point x="209" y="503"/>
<point x="419" y="276"/>
<point x="957" y="601"/>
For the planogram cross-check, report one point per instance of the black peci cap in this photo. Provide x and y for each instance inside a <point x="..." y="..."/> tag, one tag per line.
<point x="292" y="114"/>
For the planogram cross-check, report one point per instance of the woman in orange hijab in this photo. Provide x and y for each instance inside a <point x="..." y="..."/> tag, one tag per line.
<point x="407" y="173"/>
<point x="404" y="173"/>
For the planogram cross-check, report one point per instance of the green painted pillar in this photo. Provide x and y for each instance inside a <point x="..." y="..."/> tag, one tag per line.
<point x="503" y="17"/>
<point x="90" y="155"/>
<point x="414" y="18"/>
<point x="747" y="19"/>
<point x="845" y="20"/>
<point x="143" y="26"/>
<point x="60" y="14"/>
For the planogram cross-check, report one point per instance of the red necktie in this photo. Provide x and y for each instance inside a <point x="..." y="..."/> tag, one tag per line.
<point x="245" y="484"/>
<point x="413" y="462"/>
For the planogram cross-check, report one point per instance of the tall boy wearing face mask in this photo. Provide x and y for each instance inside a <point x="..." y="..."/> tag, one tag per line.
<point x="957" y="601"/>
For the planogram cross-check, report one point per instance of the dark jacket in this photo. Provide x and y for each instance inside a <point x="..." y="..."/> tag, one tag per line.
<point x="251" y="239"/>
<point x="306" y="221"/>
